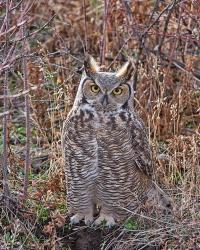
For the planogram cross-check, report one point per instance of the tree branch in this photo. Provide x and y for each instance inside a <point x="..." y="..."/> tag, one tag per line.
<point x="103" y="45"/>
<point x="6" y="190"/>
<point x="27" y="107"/>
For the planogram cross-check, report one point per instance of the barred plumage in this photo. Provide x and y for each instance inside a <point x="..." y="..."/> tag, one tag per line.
<point x="108" y="159"/>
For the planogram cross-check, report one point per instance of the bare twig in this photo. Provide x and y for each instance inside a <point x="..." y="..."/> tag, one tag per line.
<point x="114" y="60"/>
<point x="195" y="73"/>
<point x="17" y="26"/>
<point x="13" y="28"/>
<point x="6" y="191"/>
<point x="159" y="16"/>
<point x="25" y="92"/>
<point x="85" y="27"/>
<point x="166" y="25"/>
<point x="37" y="31"/>
<point x="17" y="5"/>
<point x="7" y="58"/>
<point x="3" y="24"/>
<point x="40" y="29"/>
<point x="143" y="36"/>
<point x="8" y="63"/>
<point x="27" y="108"/>
<point x="142" y="40"/>
<point x="103" y="45"/>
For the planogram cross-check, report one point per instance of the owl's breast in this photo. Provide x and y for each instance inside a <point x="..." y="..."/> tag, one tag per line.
<point x="112" y="122"/>
<point x="108" y="133"/>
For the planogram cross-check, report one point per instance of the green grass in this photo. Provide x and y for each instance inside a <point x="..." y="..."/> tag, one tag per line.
<point x="43" y="213"/>
<point x="18" y="133"/>
<point x="131" y="224"/>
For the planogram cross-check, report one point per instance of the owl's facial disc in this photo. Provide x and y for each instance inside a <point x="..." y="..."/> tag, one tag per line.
<point x="105" y="98"/>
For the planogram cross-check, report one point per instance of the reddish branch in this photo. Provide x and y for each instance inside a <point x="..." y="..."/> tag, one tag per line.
<point x="6" y="191"/>
<point x="103" y="45"/>
<point x="85" y="26"/>
<point x="27" y="106"/>
<point x="10" y="59"/>
<point x="13" y="28"/>
<point x="143" y="37"/>
<point x="175" y="63"/>
<point x="166" y="25"/>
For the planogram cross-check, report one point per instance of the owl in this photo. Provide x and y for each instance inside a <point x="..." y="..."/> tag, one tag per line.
<point x="108" y="159"/>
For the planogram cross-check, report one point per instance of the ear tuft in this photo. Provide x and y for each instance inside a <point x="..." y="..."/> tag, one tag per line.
<point x="91" y="66"/>
<point x="125" y="72"/>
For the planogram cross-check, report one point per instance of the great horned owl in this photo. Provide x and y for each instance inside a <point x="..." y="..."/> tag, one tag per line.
<point x="108" y="161"/>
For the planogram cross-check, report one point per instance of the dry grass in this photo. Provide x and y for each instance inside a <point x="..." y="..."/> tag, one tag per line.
<point x="167" y="98"/>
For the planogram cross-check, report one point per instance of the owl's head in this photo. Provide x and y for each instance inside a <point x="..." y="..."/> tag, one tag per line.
<point x="106" y="91"/>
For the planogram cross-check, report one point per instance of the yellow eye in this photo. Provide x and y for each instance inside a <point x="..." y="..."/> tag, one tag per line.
<point x="117" y="91"/>
<point x="95" y="88"/>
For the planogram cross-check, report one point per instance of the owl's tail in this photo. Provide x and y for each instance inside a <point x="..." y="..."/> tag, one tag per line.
<point x="157" y="197"/>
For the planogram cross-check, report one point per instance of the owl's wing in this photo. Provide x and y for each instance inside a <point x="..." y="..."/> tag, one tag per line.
<point x="66" y="126"/>
<point x="140" y="143"/>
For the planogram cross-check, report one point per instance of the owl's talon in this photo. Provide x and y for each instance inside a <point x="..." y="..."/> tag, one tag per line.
<point x="89" y="220"/>
<point x="75" y="219"/>
<point x="110" y="222"/>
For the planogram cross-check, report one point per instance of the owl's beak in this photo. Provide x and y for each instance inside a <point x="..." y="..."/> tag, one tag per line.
<point x="104" y="100"/>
